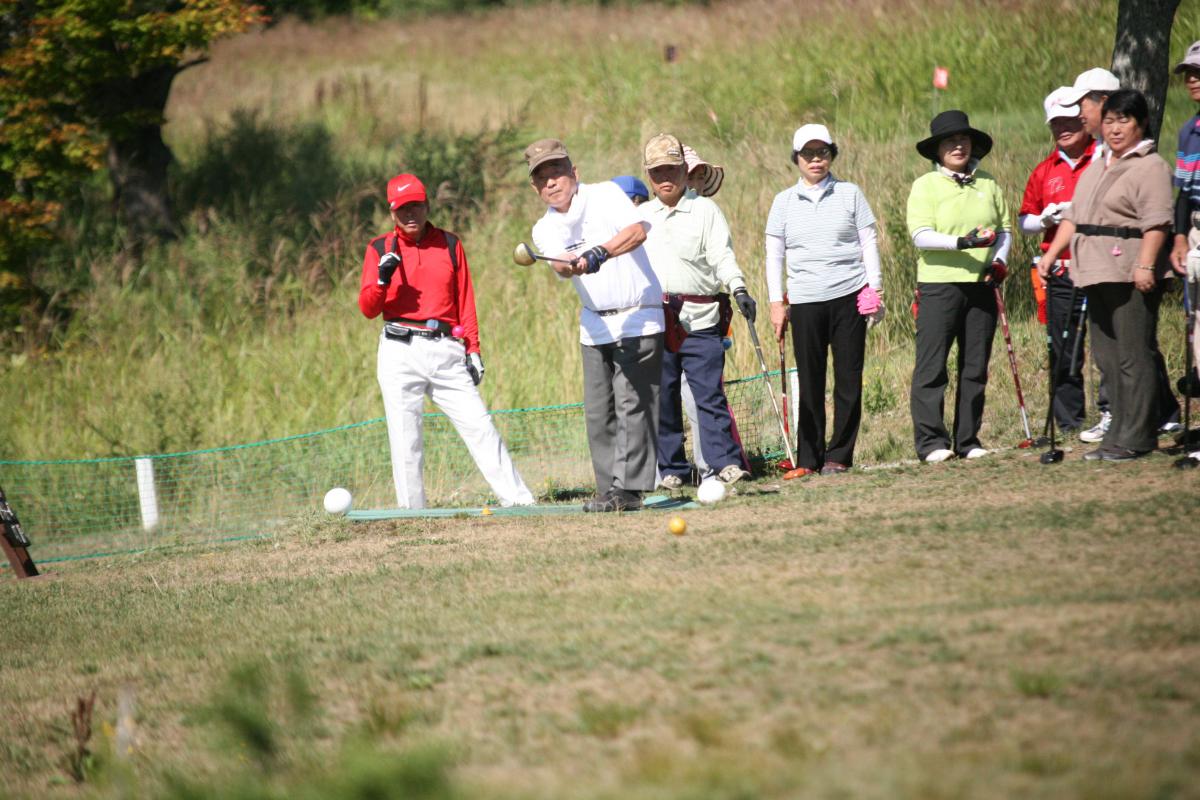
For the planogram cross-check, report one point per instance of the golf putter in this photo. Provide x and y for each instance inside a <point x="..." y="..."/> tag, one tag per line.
<point x="1189" y="308"/>
<point x="1012" y="364"/>
<point x="1054" y="455"/>
<point x="786" y="465"/>
<point x="762" y="363"/>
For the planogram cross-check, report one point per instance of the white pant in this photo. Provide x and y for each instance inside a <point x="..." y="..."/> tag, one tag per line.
<point x="407" y="372"/>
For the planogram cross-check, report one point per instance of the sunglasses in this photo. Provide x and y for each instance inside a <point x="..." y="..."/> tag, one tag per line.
<point x="812" y="154"/>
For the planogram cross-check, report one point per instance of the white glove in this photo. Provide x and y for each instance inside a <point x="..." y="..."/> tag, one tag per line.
<point x="475" y="367"/>
<point x="877" y="317"/>
<point x="1193" y="265"/>
<point x="1053" y="214"/>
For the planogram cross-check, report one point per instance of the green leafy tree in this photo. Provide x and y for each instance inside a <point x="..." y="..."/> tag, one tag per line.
<point x="84" y="85"/>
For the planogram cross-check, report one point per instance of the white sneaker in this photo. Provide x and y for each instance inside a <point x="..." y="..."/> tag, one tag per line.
<point x="938" y="456"/>
<point x="977" y="452"/>
<point x="671" y="482"/>
<point x="1096" y="432"/>
<point x="732" y="474"/>
<point x="1168" y="428"/>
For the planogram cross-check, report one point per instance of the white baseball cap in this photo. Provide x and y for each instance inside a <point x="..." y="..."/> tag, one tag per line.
<point x="1057" y="106"/>
<point x="1093" y="80"/>
<point x="806" y="133"/>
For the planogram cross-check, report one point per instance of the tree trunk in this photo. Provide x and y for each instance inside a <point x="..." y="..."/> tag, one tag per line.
<point x="138" y="157"/>
<point x="1142" y="51"/>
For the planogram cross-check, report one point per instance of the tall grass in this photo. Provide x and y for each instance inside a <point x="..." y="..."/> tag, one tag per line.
<point x="247" y="327"/>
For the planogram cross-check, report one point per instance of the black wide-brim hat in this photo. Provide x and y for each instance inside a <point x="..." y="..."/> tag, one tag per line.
<point x="950" y="123"/>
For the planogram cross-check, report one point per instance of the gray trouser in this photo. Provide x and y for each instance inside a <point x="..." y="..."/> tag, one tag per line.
<point x="1123" y="322"/>
<point x="620" y="399"/>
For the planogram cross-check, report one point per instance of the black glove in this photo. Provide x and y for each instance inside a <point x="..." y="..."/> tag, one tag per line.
<point x="594" y="258"/>
<point x="387" y="266"/>
<point x="746" y="304"/>
<point x="976" y="239"/>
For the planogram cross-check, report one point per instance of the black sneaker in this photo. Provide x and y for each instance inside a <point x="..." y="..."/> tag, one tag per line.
<point x="601" y="502"/>
<point x="626" y="500"/>
<point x="1123" y="454"/>
<point x="1094" y="455"/>
<point x="614" y="500"/>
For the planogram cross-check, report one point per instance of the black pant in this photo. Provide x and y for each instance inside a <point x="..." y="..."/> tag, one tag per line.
<point x="951" y="312"/>
<point x="1123" y="322"/>
<point x="1062" y="325"/>
<point x="817" y="328"/>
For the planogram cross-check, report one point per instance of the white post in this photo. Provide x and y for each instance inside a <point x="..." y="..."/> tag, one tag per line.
<point x="147" y="498"/>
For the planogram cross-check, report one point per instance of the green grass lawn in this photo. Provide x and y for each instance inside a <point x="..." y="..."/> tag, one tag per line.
<point x="984" y="629"/>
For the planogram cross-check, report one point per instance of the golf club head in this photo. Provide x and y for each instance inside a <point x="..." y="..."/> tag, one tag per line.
<point x="1051" y="456"/>
<point x="785" y="466"/>
<point x="1025" y="444"/>
<point x="523" y="255"/>
<point x="1187" y="462"/>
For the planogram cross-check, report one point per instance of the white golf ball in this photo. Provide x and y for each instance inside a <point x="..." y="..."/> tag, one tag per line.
<point x="711" y="491"/>
<point x="338" y="501"/>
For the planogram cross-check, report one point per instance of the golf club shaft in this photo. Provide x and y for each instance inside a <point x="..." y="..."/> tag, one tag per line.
<point x="541" y="257"/>
<point x="762" y="362"/>
<point x="1012" y="361"/>
<point x="1189" y="315"/>
<point x="1075" y="348"/>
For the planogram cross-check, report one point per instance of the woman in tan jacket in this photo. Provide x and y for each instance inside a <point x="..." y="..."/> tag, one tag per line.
<point x="1117" y="227"/>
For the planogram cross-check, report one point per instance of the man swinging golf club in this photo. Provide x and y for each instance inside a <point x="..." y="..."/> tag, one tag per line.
<point x="417" y="277"/>
<point x="691" y="251"/>
<point x="598" y="234"/>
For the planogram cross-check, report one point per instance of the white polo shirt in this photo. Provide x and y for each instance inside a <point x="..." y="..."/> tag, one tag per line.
<point x="691" y="251"/>
<point x="625" y="284"/>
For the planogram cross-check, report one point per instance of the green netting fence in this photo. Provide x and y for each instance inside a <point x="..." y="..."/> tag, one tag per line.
<point x="92" y="507"/>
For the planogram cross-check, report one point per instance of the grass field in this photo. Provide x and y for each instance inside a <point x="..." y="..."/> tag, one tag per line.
<point x="966" y="630"/>
<point x="971" y="630"/>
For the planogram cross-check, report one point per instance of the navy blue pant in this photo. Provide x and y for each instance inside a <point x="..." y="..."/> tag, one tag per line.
<point x="1063" y="317"/>
<point x="702" y="358"/>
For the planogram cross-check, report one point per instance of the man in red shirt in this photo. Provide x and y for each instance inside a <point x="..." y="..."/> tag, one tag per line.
<point x="1048" y="194"/>
<point x="417" y="277"/>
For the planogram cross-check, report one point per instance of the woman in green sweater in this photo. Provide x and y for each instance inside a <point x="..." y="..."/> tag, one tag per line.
<point x="960" y="224"/>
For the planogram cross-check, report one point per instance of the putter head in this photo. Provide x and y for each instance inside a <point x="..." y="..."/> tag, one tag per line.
<point x="1025" y="444"/>
<point x="798" y="472"/>
<point x="785" y="466"/>
<point x="1051" y="456"/>
<point x="523" y="255"/>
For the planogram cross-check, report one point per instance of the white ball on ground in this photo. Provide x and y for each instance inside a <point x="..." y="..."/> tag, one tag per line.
<point x="338" y="501"/>
<point x="711" y="490"/>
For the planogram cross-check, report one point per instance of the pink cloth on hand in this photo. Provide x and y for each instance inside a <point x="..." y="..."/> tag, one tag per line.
<point x="868" y="301"/>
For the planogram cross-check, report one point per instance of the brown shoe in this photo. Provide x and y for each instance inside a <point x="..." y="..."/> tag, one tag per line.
<point x="833" y="468"/>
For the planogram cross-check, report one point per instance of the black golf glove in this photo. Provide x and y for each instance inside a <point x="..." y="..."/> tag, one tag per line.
<point x="387" y="267"/>
<point x="746" y="304"/>
<point x="475" y="367"/>
<point x="594" y="258"/>
<point x="976" y="239"/>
